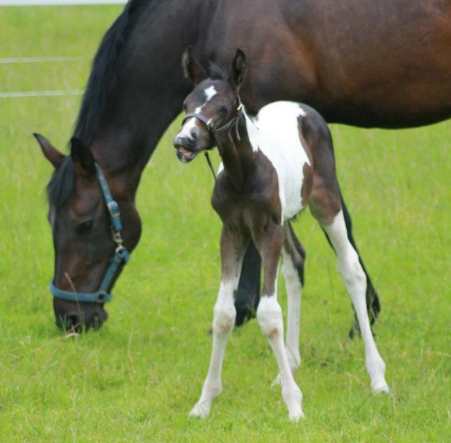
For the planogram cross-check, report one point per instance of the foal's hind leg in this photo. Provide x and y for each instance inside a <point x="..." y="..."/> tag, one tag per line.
<point x="322" y="200"/>
<point x="293" y="258"/>
<point x="372" y="299"/>
<point x="232" y="250"/>
<point x="269" y="316"/>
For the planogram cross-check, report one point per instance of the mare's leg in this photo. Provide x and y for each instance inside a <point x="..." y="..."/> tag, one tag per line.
<point x="293" y="258"/>
<point x="247" y="295"/>
<point x="232" y="250"/>
<point x="269" y="315"/>
<point x="326" y="207"/>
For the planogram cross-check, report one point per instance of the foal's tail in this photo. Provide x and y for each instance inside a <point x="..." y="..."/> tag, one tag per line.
<point x="372" y="299"/>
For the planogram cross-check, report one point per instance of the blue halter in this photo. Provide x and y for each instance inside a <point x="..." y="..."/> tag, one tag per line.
<point x="119" y="259"/>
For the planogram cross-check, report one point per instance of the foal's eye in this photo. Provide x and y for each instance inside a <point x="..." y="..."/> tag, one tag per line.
<point x="83" y="228"/>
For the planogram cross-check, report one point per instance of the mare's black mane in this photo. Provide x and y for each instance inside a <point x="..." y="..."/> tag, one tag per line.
<point x="99" y="90"/>
<point x="104" y="71"/>
<point x="61" y="185"/>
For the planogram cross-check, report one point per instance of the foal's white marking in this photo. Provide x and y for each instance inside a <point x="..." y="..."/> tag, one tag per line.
<point x="209" y="93"/>
<point x="269" y="317"/>
<point x="277" y="136"/>
<point x="224" y="314"/>
<point x="356" y="284"/>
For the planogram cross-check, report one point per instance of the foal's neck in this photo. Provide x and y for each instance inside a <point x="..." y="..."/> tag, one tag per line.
<point x="236" y="151"/>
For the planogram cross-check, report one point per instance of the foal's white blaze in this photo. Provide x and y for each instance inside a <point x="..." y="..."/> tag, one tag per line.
<point x="356" y="283"/>
<point x="278" y="138"/>
<point x="185" y="132"/>
<point x="210" y="92"/>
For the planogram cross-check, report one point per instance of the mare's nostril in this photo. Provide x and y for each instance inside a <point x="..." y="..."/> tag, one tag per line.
<point x="193" y="134"/>
<point x="73" y="322"/>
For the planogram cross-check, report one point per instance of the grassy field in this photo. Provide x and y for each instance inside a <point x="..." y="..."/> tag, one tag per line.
<point x="137" y="378"/>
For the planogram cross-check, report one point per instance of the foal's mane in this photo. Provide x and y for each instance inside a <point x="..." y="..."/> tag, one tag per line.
<point x="216" y="72"/>
<point x="100" y="88"/>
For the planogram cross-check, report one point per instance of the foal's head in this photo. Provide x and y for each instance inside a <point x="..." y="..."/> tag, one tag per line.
<point x="211" y="106"/>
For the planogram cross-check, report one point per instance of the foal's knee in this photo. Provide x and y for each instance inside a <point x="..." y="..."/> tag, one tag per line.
<point x="223" y="318"/>
<point x="269" y="316"/>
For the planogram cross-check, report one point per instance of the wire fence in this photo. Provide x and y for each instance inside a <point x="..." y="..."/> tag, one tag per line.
<point x="59" y="2"/>
<point x="46" y="59"/>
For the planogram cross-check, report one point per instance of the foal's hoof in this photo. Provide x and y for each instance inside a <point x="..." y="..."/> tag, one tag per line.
<point x="200" y="410"/>
<point x="295" y="415"/>
<point x="380" y="388"/>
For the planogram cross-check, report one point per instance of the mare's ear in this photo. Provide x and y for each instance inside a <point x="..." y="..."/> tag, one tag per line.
<point x="192" y="69"/>
<point x="239" y="68"/>
<point x="82" y="156"/>
<point x="50" y="153"/>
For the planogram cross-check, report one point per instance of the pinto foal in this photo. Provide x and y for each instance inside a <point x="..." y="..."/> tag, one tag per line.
<point x="273" y="166"/>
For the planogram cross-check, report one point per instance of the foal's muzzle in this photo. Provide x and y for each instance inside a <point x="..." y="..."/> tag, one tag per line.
<point x="186" y="148"/>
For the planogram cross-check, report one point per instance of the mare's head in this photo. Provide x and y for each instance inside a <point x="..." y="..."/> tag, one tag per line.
<point x="82" y="233"/>
<point x="211" y="106"/>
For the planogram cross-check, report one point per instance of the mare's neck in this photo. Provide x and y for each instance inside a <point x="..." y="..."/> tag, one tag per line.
<point x="236" y="151"/>
<point x="146" y="93"/>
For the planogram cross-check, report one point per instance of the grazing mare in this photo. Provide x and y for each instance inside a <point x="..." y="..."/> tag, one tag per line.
<point x="379" y="63"/>
<point x="272" y="168"/>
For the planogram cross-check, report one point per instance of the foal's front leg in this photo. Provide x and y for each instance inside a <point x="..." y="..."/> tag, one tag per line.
<point x="232" y="250"/>
<point x="269" y="317"/>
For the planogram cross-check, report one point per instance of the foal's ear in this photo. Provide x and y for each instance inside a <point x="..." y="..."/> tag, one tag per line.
<point x="50" y="153"/>
<point x="239" y="68"/>
<point x="82" y="156"/>
<point x="192" y="69"/>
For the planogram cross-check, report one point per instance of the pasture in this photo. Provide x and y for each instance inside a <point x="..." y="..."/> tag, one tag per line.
<point x="137" y="378"/>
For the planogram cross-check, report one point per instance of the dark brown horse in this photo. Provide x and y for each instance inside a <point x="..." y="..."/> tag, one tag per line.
<point x="360" y="62"/>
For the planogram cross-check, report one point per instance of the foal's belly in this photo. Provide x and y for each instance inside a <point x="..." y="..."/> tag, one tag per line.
<point x="279" y="140"/>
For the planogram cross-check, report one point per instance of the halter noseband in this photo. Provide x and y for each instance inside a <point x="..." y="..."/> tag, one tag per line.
<point x="117" y="262"/>
<point x="207" y="122"/>
<point x="210" y="128"/>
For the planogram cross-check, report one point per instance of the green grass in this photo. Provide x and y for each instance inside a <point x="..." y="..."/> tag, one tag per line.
<point x="137" y="378"/>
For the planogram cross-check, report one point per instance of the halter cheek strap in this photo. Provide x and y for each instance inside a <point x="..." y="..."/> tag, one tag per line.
<point x="116" y="263"/>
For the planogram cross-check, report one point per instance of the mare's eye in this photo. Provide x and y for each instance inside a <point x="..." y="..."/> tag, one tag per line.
<point x="223" y="110"/>
<point x="83" y="228"/>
